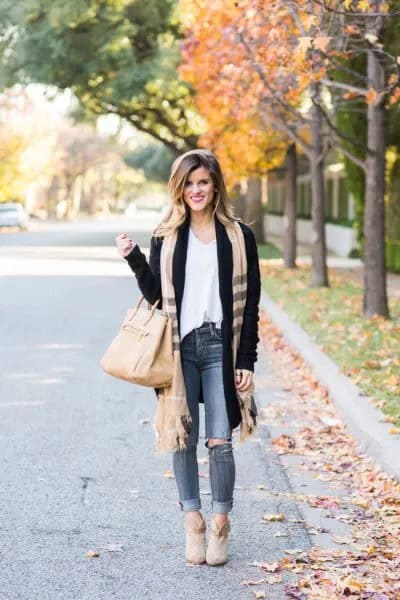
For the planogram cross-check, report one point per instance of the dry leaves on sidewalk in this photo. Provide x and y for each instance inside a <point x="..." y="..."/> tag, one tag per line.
<point x="371" y="505"/>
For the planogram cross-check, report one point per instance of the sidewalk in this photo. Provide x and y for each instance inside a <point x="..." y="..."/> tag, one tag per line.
<point x="349" y="506"/>
<point x="362" y="418"/>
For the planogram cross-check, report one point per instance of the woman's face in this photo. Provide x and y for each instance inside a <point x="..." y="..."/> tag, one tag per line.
<point x="199" y="190"/>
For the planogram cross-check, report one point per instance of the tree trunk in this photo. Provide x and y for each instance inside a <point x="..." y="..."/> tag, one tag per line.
<point x="375" y="292"/>
<point x="319" y="272"/>
<point x="289" y="219"/>
<point x="254" y="210"/>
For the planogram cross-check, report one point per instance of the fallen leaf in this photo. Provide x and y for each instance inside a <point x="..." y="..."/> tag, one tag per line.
<point x="259" y="594"/>
<point x="168" y="474"/>
<point x="273" y="517"/>
<point x="144" y="421"/>
<point x="394" y="430"/>
<point x="351" y="585"/>
<point x="269" y="567"/>
<point x="341" y="540"/>
<point x="361" y="502"/>
<point x="389" y="419"/>
<point x="92" y="554"/>
<point x="284" y="443"/>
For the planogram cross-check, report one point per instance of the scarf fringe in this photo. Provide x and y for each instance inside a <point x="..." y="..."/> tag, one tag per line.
<point x="172" y="429"/>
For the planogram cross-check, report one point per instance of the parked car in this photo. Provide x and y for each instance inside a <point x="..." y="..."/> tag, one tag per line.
<point x="12" y="214"/>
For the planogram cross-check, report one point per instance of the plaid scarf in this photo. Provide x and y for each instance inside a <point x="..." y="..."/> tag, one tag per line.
<point x="173" y="419"/>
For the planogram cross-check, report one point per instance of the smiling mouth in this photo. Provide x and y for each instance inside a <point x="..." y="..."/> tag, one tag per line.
<point x="197" y="198"/>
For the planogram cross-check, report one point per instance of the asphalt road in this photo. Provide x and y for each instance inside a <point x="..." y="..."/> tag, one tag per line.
<point x="78" y="469"/>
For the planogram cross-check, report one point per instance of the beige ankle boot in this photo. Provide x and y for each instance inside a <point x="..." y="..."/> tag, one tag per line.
<point x="195" y="527"/>
<point x="217" y="550"/>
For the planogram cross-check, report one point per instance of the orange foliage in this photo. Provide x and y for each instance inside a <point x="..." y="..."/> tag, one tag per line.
<point x="229" y="91"/>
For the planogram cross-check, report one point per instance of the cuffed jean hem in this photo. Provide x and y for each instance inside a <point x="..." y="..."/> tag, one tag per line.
<point x="190" y="505"/>
<point x="221" y="507"/>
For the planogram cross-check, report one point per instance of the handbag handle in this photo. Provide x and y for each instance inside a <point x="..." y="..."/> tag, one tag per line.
<point x="153" y="308"/>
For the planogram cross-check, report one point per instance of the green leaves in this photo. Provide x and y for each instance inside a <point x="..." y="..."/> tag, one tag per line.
<point x="118" y="56"/>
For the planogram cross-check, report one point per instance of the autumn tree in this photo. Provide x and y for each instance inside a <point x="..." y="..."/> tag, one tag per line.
<point x="358" y="33"/>
<point x="326" y="35"/>
<point x="245" y="61"/>
<point x="213" y="65"/>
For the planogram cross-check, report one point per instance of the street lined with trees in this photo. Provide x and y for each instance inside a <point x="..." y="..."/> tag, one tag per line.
<point x="300" y="101"/>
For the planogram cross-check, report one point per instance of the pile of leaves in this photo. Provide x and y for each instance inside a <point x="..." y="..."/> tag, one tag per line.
<point x="367" y="350"/>
<point x="368" y="566"/>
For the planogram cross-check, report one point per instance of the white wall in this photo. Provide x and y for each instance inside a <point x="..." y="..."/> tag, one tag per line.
<point x="340" y="240"/>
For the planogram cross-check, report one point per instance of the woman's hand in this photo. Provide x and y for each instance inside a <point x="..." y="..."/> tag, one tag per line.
<point x="243" y="379"/>
<point x="124" y="244"/>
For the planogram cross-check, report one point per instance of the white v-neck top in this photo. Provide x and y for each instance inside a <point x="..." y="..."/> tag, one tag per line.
<point x="201" y="301"/>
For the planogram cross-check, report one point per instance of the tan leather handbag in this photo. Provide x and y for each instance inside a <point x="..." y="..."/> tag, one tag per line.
<point x="142" y="350"/>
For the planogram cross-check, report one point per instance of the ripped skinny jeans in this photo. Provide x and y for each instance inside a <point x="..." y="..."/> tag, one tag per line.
<point x="201" y="352"/>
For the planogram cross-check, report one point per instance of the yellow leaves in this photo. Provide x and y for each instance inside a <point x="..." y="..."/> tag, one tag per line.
<point x="304" y="79"/>
<point x="259" y="594"/>
<point x="92" y="554"/>
<point x="168" y="474"/>
<point x="361" y="502"/>
<point x="394" y="430"/>
<point x="363" y="5"/>
<point x="273" y="517"/>
<point x="389" y="419"/>
<point x="347" y="4"/>
<point x="364" y="561"/>
<point x="305" y="43"/>
<point x="351" y="585"/>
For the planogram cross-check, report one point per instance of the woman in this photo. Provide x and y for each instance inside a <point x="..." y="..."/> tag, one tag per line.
<point x="204" y="269"/>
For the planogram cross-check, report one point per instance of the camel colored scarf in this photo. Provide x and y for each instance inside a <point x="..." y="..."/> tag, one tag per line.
<point x="173" y="419"/>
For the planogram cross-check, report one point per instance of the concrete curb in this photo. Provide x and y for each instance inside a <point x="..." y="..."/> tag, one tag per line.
<point x="362" y="419"/>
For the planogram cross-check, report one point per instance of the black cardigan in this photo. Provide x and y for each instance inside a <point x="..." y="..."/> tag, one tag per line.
<point x="149" y="281"/>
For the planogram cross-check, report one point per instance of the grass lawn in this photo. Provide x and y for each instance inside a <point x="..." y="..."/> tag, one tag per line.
<point x="368" y="351"/>
<point x="269" y="251"/>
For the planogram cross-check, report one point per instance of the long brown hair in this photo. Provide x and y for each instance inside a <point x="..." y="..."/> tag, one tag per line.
<point x="180" y="171"/>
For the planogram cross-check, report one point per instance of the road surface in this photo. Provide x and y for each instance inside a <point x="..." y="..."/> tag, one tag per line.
<point x="78" y="468"/>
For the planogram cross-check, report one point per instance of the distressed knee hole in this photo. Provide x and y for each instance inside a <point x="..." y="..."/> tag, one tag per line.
<point x="211" y="442"/>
